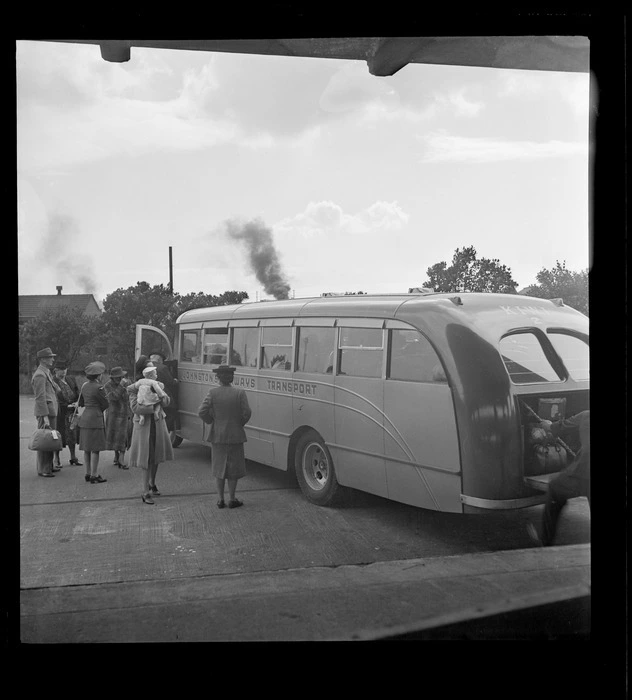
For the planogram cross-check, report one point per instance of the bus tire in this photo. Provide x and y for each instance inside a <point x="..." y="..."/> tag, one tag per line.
<point x="176" y="440"/>
<point x="315" y="470"/>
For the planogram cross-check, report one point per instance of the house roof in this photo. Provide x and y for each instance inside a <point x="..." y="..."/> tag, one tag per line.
<point x="31" y="305"/>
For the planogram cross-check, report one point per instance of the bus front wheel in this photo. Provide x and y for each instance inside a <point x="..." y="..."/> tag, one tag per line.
<point x="315" y="470"/>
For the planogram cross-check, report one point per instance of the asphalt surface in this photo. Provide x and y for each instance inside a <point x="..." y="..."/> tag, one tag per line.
<point x="98" y="565"/>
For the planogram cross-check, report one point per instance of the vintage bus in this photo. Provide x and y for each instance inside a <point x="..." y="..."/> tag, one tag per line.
<point x="427" y="399"/>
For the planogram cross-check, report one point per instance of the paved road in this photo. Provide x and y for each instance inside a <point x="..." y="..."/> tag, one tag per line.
<point x="97" y="553"/>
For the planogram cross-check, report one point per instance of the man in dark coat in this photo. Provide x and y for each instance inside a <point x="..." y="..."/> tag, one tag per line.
<point x="46" y="405"/>
<point x="171" y="387"/>
<point x="571" y="482"/>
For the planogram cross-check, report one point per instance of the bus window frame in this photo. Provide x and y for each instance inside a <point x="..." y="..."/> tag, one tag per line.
<point x="557" y="330"/>
<point x="185" y="328"/>
<point x="340" y="325"/>
<point x="231" y="333"/>
<point x="213" y="329"/>
<point x="550" y="355"/>
<point x="292" y="346"/>
<point x="389" y="342"/>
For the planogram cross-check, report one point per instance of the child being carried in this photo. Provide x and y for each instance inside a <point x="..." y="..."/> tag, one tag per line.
<point x="150" y="391"/>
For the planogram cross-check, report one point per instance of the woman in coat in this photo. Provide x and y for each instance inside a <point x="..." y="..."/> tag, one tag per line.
<point x="116" y="419"/>
<point x="67" y="395"/>
<point x="150" y="444"/>
<point x="226" y="408"/>
<point x="91" y="426"/>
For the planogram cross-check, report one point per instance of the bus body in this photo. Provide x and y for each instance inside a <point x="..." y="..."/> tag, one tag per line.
<point x="423" y="399"/>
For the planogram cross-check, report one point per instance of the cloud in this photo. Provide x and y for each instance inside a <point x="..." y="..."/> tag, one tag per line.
<point x="529" y="85"/>
<point x="444" y="148"/>
<point x="326" y="217"/>
<point x="352" y="87"/>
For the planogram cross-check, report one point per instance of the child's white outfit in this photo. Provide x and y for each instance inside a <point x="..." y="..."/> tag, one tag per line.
<point x="149" y="394"/>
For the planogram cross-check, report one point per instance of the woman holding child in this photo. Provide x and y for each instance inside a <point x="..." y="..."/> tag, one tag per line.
<point x="150" y="444"/>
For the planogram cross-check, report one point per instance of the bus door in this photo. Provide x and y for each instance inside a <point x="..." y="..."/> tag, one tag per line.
<point x="421" y="440"/>
<point x="150" y="339"/>
<point x="359" y="405"/>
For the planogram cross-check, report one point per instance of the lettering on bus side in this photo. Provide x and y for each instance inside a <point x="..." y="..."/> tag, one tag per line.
<point x="525" y="310"/>
<point x="202" y="377"/>
<point x="291" y="387"/>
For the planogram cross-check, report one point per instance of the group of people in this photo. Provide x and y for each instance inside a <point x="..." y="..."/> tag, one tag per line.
<point x="134" y="420"/>
<point x="138" y="426"/>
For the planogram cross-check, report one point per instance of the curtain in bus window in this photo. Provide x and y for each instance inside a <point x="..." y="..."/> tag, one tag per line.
<point x="361" y="352"/>
<point x="190" y="346"/>
<point x="276" y="348"/>
<point x="315" y="350"/>
<point x="525" y="360"/>
<point x="215" y="346"/>
<point x="574" y="353"/>
<point x="245" y="347"/>
<point x="413" y="359"/>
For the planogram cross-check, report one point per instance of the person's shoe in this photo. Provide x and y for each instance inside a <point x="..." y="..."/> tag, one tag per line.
<point x="154" y="490"/>
<point x="147" y="498"/>
<point x="533" y="535"/>
<point x="56" y="469"/>
<point x="235" y="504"/>
<point x="57" y="466"/>
<point x="48" y="475"/>
<point x="76" y="463"/>
<point x="98" y="479"/>
<point x="221" y="504"/>
<point x="87" y="477"/>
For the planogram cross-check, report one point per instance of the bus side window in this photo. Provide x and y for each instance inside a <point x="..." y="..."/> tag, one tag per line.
<point x="315" y="350"/>
<point x="215" y="346"/>
<point x="190" y="346"/>
<point x="244" y="347"/>
<point x="413" y="359"/>
<point x="360" y="352"/>
<point x="276" y="348"/>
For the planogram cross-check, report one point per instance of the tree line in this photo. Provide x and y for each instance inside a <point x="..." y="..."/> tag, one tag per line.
<point x="70" y="333"/>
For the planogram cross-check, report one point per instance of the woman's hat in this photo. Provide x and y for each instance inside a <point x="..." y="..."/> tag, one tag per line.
<point x="94" y="368"/>
<point x="46" y="352"/>
<point x="61" y="364"/>
<point x="224" y="369"/>
<point x="148" y="369"/>
<point x="117" y="372"/>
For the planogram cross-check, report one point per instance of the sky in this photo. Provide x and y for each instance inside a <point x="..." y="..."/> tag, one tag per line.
<point x="359" y="182"/>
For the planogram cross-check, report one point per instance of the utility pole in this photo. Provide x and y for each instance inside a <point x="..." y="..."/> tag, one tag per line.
<point x="170" y="271"/>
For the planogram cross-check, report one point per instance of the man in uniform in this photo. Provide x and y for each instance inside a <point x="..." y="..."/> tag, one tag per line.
<point x="46" y="405"/>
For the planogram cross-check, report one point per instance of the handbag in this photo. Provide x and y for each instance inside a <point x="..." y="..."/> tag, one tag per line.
<point x="45" y="440"/>
<point x="74" y="421"/>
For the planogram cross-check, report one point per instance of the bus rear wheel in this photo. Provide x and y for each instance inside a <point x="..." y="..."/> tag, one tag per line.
<point x="315" y="471"/>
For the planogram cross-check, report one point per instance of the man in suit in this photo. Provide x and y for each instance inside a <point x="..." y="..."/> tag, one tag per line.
<point x="46" y="406"/>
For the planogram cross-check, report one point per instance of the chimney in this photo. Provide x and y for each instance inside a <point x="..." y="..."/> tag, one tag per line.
<point x="59" y="288"/>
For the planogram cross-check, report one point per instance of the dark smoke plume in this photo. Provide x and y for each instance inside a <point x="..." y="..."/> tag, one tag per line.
<point x="262" y="255"/>
<point x="57" y="252"/>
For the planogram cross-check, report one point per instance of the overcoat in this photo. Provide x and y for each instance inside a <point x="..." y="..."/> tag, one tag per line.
<point x="140" y="449"/>
<point x="45" y="392"/>
<point x="117" y="416"/>
<point x="92" y="396"/>
<point x="226" y="408"/>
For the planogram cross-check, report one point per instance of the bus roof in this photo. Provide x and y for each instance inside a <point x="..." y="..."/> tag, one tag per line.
<point x="380" y="306"/>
